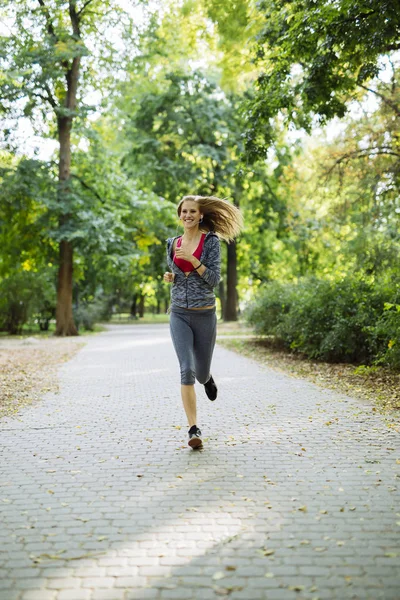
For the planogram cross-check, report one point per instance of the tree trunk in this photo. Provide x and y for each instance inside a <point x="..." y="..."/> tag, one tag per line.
<point x="134" y="306"/>
<point x="141" y="306"/>
<point x="231" y="283"/>
<point x="221" y="289"/>
<point x="64" y="319"/>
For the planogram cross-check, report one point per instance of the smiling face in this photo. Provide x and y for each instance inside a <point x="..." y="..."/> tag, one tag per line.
<point x="190" y="214"/>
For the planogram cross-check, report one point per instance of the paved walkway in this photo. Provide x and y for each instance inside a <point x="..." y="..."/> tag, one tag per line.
<point x="295" y="495"/>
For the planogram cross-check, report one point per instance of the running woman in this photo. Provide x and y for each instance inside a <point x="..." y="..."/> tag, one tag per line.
<point x="194" y="260"/>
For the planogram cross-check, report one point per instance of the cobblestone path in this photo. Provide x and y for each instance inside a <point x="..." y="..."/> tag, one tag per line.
<point x="295" y="495"/>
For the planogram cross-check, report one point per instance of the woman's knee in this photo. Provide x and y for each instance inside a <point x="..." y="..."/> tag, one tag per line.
<point x="187" y="377"/>
<point x="203" y="377"/>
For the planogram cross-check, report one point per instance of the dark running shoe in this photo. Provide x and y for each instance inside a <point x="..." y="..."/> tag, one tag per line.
<point x="211" y="389"/>
<point x="195" y="440"/>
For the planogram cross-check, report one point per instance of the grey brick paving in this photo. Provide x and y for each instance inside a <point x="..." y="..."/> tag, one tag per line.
<point x="295" y="495"/>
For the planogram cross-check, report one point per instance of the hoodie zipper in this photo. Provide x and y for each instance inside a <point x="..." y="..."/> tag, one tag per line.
<point x="186" y="277"/>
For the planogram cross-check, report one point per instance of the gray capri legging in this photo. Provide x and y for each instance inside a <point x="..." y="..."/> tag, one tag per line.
<point x="193" y="334"/>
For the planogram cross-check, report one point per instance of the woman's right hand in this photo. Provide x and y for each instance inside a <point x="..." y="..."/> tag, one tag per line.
<point x="169" y="277"/>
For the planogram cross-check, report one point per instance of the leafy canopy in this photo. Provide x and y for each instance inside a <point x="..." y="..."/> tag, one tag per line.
<point x="313" y="56"/>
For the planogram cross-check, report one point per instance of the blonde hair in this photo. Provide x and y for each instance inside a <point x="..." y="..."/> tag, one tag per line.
<point x="219" y="216"/>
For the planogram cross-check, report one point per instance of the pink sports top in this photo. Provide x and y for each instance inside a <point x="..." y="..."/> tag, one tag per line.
<point x="185" y="265"/>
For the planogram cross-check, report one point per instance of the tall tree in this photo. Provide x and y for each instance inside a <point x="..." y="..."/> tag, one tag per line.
<point x="48" y="68"/>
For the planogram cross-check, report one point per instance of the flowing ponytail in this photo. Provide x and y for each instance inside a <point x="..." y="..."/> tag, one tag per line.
<point x="219" y="216"/>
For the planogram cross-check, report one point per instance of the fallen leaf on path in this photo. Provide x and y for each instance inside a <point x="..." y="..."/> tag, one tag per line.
<point x="296" y="588"/>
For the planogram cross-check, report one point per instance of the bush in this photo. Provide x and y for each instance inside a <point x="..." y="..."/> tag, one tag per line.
<point x="388" y="329"/>
<point x="269" y="308"/>
<point x="45" y="313"/>
<point x="88" y="314"/>
<point x="343" y="321"/>
<point x="23" y="295"/>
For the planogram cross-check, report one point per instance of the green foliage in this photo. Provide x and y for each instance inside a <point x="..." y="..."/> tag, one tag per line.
<point x="313" y="57"/>
<point x="25" y="296"/>
<point x="237" y="23"/>
<point x="46" y="42"/>
<point x="266" y="312"/>
<point x="341" y="196"/>
<point x="336" y="321"/>
<point x="27" y="256"/>
<point x="388" y="329"/>
<point x="184" y="138"/>
<point x="121" y="252"/>
<point x="27" y="188"/>
<point x="87" y="315"/>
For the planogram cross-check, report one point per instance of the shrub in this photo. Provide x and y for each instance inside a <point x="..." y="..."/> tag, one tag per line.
<point x="388" y="329"/>
<point x="86" y="315"/>
<point x="351" y="320"/>
<point x="24" y="294"/>
<point x="266" y="312"/>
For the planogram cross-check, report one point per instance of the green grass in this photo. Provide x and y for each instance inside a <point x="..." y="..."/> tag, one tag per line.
<point x="148" y="319"/>
<point x="231" y="328"/>
<point x="32" y="330"/>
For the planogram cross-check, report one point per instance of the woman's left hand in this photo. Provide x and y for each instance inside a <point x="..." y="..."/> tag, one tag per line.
<point x="184" y="254"/>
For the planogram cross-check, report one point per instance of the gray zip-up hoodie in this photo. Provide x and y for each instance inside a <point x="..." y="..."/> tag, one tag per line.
<point x="194" y="290"/>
